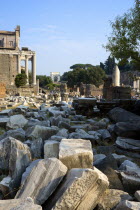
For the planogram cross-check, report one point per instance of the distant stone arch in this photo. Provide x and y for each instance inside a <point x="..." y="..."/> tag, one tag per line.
<point x="55" y="76"/>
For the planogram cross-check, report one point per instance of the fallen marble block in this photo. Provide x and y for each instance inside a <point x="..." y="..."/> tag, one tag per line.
<point x="128" y="205"/>
<point x="76" y="153"/>
<point x="118" y="114"/>
<point x="128" y="144"/>
<point x="19" y="204"/>
<point x="128" y="129"/>
<point x="131" y="181"/>
<point x="111" y="198"/>
<point x="39" y="131"/>
<point x="16" y="121"/>
<point x="42" y="179"/>
<point x="6" y="113"/>
<point x="51" y="149"/>
<point x="14" y="158"/>
<point x="81" y="189"/>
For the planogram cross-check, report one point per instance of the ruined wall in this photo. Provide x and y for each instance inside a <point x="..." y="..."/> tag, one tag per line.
<point x="22" y="91"/>
<point x="110" y="93"/>
<point x="8" y="41"/>
<point x="2" y="90"/>
<point x="90" y="90"/>
<point x="8" y="68"/>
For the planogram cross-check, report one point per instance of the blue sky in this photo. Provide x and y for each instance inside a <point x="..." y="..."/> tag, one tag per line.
<point x="63" y="32"/>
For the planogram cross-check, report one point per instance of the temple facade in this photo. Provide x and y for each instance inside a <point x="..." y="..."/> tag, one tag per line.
<point x="11" y="56"/>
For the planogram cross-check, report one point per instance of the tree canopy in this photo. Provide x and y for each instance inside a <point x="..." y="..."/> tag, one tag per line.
<point x="21" y="79"/>
<point x="44" y="80"/>
<point x="108" y="65"/>
<point x="124" y="42"/>
<point x="86" y="74"/>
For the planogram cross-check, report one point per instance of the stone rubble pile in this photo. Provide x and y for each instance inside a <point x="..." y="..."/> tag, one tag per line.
<point x="52" y="158"/>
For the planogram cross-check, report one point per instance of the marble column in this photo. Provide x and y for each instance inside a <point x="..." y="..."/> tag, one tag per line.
<point x="34" y="69"/>
<point x="19" y="64"/>
<point x="116" y="76"/>
<point x="26" y="69"/>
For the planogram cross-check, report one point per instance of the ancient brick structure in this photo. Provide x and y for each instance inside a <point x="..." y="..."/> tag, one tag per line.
<point x="89" y="90"/>
<point x="11" y="57"/>
<point x="119" y="92"/>
<point x="2" y="90"/>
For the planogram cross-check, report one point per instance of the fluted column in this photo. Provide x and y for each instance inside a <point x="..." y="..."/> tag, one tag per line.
<point x="34" y="69"/>
<point x="19" y="65"/>
<point x="26" y="69"/>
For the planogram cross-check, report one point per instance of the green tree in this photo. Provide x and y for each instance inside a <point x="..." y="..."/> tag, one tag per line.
<point x="44" y="80"/>
<point x="124" y="42"/>
<point x="109" y="65"/>
<point x="21" y="79"/>
<point x="89" y="75"/>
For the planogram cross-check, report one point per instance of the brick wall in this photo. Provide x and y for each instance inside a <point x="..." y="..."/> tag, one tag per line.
<point x="8" y="68"/>
<point x="2" y="90"/>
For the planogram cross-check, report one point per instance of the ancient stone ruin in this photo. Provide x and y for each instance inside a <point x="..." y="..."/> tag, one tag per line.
<point x="10" y="60"/>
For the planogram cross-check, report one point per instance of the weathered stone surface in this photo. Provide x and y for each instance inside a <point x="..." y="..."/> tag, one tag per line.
<point x="128" y="129"/>
<point x="95" y="134"/>
<point x="128" y="144"/>
<point x="16" y="121"/>
<point x="121" y="115"/>
<point x="56" y="138"/>
<point x="105" y="134"/>
<point x="51" y="149"/>
<point x="4" y="186"/>
<point x="107" y="150"/>
<point x="108" y="166"/>
<point x="111" y="198"/>
<point x="131" y="181"/>
<point x="54" y="111"/>
<point x="81" y="189"/>
<point x="119" y="158"/>
<point x="128" y="205"/>
<point x="63" y="132"/>
<point x="6" y="112"/>
<point x="129" y="166"/>
<point x="18" y="134"/>
<point x="110" y="128"/>
<point x="10" y="148"/>
<point x="55" y="120"/>
<point x="82" y="134"/>
<point x="43" y="132"/>
<point x="22" y="107"/>
<point x="128" y="153"/>
<point x="37" y="148"/>
<point x="63" y="124"/>
<point x="98" y="158"/>
<point x="14" y="158"/>
<point x="42" y="180"/>
<point x="76" y="153"/>
<point x="137" y="195"/>
<point x="16" y="204"/>
<point x="33" y="122"/>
